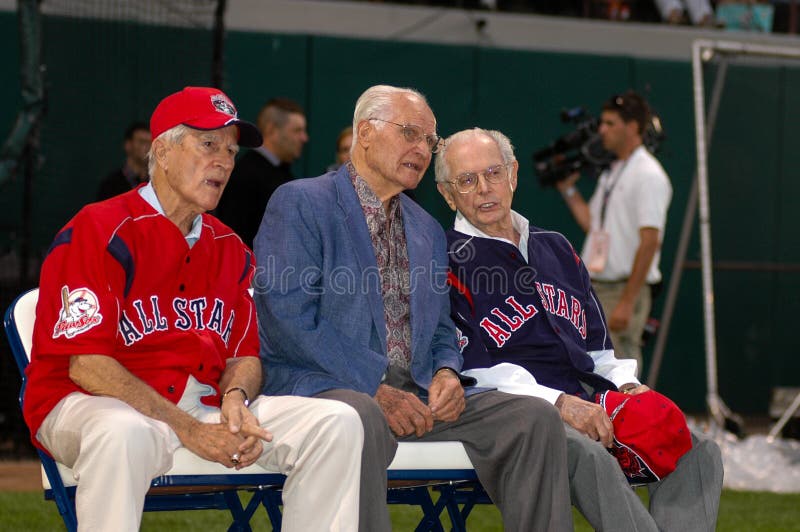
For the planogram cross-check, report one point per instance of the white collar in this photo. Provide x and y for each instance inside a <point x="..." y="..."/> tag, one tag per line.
<point x="148" y="193"/>
<point x="519" y="222"/>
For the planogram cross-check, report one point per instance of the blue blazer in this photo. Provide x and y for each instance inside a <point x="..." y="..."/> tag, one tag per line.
<point x="318" y="296"/>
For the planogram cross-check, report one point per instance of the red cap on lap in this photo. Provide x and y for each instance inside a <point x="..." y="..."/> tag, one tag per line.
<point x="650" y="434"/>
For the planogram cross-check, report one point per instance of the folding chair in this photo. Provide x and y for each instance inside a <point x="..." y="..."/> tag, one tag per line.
<point x="197" y="484"/>
<point x="191" y="484"/>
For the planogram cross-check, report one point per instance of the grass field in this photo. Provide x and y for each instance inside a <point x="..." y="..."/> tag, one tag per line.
<point x="739" y="511"/>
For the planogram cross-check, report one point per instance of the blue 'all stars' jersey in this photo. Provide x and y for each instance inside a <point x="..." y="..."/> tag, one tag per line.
<point x="542" y="315"/>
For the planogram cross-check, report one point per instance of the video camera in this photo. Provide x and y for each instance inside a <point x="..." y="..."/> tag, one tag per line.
<point x="581" y="150"/>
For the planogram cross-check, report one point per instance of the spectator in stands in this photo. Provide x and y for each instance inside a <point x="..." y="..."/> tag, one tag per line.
<point x="136" y="144"/>
<point x="520" y="295"/>
<point x="343" y="143"/>
<point x="351" y="307"/>
<point x="260" y="171"/>
<point x="145" y="341"/>
<point x="700" y="12"/>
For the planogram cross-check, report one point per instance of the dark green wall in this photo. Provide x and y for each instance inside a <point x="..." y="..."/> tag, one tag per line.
<point x="103" y="75"/>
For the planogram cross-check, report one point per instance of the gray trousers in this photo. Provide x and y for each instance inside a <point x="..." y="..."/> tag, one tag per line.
<point x="687" y="500"/>
<point x="516" y="444"/>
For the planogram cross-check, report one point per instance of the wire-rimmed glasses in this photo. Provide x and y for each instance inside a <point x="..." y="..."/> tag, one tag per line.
<point x="468" y="181"/>
<point x="414" y="134"/>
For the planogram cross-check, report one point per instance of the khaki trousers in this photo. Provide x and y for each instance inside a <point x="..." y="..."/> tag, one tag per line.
<point x="627" y="343"/>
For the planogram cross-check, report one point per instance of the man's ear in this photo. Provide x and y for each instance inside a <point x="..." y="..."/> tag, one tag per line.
<point x="446" y="192"/>
<point x="270" y="129"/>
<point x="160" y="150"/>
<point x="512" y="179"/>
<point x="364" y="131"/>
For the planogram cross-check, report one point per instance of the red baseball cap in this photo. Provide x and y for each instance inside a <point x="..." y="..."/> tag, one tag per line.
<point x="650" y="434"/>
<point x="204" y="108"/>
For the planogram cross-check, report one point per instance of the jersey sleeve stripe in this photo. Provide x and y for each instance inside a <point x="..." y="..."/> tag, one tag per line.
<point x="248" y="260"/>
<point x="119" y="250"/>
<point x="453" y="281"/>
<point x="64" y="237"/>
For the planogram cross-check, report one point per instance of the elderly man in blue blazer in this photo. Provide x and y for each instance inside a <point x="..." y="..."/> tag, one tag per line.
<point x="352" y="305"/>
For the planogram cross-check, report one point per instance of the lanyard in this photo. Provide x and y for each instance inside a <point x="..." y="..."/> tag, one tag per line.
<point x="609" y="188"/>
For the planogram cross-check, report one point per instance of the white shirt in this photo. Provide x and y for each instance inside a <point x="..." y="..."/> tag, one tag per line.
<point x="148" y="193"/>
<point x="640" y="193"/>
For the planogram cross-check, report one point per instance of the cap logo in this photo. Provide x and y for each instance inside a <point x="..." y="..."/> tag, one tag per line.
<point x="223" y="104"/>
<point x="616" y="410"/>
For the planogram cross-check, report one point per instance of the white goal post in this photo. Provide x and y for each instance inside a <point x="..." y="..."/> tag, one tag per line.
<point x="704" y="51"/>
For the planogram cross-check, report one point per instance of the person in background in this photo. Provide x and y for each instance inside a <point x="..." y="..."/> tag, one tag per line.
<point x="624" y="221"/>
<point x="260" y="171"/>
<point x="343" y="143"/>
<point x="136" y="144"/>
<point x="699" y="12"/>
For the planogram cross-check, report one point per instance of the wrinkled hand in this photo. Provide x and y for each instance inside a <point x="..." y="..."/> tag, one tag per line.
<point x="215" y="442"/>
<point x="587" y="418"/>
<point x="240" y="420"/>
<point x="404" y="412"/>
<point x="446" y="396"/>
<point x="620" y="316"/>
<point x="637" y="389"/>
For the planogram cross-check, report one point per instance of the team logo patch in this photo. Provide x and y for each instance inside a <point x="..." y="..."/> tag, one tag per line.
<point x="223" y="105"/>
<point x="462" y="340"/>
<point x="80" y="311"/>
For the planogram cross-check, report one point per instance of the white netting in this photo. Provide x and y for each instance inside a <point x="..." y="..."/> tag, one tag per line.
<point x="180" y="13"/>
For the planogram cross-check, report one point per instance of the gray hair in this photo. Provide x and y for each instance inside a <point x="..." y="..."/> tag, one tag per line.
<point x="376" y="102"/>
<point x="442" y="169"/>
<point x="171" y="136"/>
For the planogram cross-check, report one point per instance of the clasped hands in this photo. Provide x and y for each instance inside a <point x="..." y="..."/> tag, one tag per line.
<point x="236" y="441"/>
<point x="407" y="415"/>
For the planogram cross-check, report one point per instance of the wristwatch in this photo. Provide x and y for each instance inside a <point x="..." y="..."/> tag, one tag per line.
<point x="236" y="389"/>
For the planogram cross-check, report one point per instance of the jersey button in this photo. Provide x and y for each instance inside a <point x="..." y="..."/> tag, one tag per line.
<point x="513" y="256"/>
<point x="181" y="287"/>
<point x="188" y="260"/>
<point x="171" y="389"/>
<point x="200" y="367"/>
<point x="558" y="331"/>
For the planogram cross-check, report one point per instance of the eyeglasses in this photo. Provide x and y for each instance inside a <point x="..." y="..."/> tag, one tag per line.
<point x="468" y="181"/>
<point x="414" y="134"/>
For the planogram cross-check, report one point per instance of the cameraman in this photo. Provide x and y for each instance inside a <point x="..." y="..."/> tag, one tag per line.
<point x="624" y="221"/>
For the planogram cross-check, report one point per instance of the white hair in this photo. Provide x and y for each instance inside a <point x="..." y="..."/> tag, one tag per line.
<point x="173" y="135"/>
<point x="377" y="101"/>
<point x="442" y="169"/>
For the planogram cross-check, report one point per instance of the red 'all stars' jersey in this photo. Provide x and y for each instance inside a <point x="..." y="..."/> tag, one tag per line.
<point x="120" y="280"/>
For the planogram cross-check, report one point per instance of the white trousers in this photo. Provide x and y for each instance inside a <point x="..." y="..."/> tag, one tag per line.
<point x="115" y="452"/>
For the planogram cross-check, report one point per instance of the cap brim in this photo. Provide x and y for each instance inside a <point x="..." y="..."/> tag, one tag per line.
<point x="249" y="135"/>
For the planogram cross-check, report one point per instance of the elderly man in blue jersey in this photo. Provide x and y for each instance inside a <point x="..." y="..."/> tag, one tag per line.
<point x="520" y="295"/>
